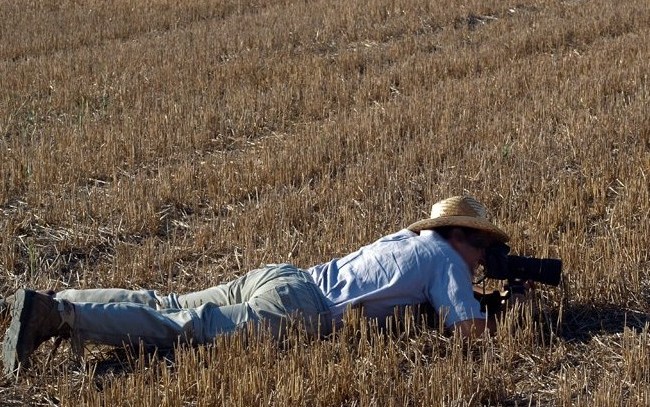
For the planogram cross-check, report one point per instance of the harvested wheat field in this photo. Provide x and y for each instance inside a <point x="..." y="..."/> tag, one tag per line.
<point x="146" y="144"/>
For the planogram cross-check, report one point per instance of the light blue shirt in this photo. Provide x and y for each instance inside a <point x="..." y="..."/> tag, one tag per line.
<point x="403" y="268"/>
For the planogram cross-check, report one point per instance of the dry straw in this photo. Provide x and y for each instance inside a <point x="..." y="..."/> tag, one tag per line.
<point x="172" y="147"/>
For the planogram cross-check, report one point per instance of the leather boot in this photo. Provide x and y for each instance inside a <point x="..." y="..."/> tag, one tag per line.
<point x="7" y="302"/>
<point x="35" y="318"/>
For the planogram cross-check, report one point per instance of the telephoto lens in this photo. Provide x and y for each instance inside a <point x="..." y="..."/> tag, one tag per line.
<point x="545" y="271"/>
<point x="501" y="266"/>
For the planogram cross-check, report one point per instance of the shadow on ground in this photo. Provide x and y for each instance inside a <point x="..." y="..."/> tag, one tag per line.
<point x="581" y="322"/>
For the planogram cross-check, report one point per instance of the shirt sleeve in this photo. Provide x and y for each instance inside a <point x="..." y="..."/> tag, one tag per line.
<point x="452" y="296"/>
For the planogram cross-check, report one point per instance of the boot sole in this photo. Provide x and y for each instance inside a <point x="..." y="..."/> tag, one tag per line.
<point x="12" y="352"/>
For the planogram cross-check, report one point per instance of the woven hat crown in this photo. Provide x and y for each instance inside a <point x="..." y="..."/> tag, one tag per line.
<point x="459" y="206"/>
<point x="462" y="211"/>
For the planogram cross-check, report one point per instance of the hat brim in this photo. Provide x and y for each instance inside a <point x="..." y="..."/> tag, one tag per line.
<point x="461" y="221"/>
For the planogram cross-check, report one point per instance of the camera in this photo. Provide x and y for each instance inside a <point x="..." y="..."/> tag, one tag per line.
<point x="502" y="266"/>
<point x="516" y="270"/>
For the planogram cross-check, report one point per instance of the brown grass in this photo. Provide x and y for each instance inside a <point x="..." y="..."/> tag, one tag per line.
<point x="146" y="144"/>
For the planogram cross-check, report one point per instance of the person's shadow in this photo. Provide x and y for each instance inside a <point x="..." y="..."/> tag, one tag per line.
<point x="581" y="322"/>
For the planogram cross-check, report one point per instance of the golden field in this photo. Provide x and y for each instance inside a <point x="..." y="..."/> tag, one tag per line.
<point x="146" y="144"/>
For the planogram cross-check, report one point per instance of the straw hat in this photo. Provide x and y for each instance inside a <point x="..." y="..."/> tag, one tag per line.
<point x="462" y="211"/>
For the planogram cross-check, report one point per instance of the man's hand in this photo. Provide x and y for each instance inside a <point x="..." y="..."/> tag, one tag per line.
<point x="495" y="303"/>
<point x="491" y="302"/>
<point x="473" y="328"/>
<point x="517" y="293"/>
